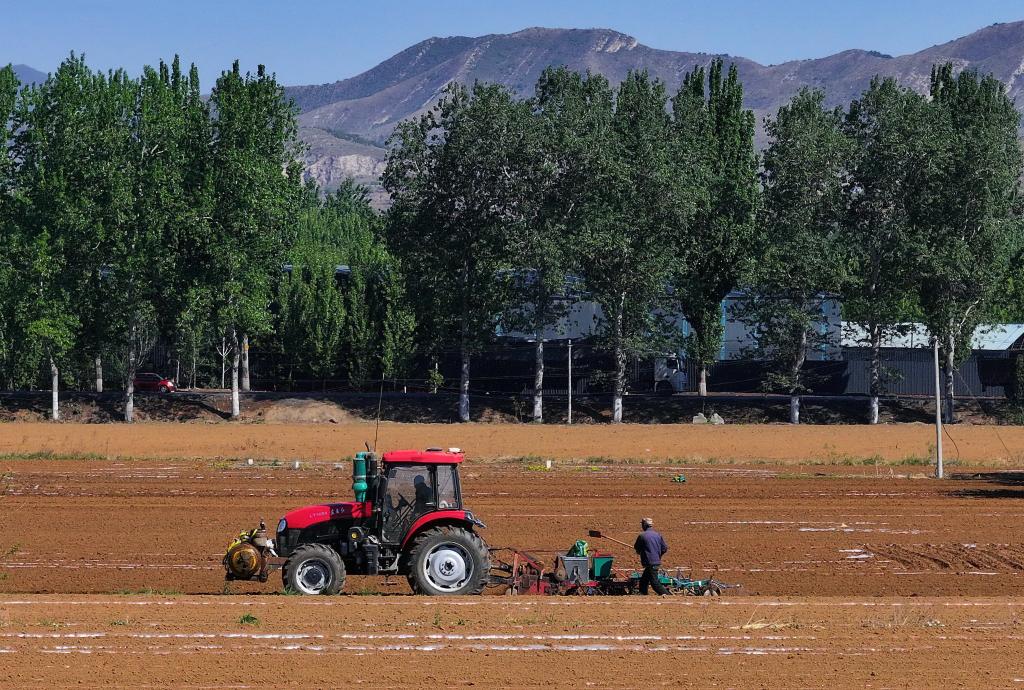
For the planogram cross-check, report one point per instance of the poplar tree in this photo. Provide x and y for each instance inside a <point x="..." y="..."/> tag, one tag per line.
<point x="542" y="249"/>
<point x="254" y="177"/>
<point x="804" y="265"/>
<point x="458" y="183"/>
<point x="713" y="152"/>
<point x="630" y="215"/>
<point x="11" y="272"/>
<point x="884" y="235"/>
<point x="971" y="209"/>
<point x="75" y="176"/>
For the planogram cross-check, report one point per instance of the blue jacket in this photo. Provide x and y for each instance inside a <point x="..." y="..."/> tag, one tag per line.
<point x="651" y="547"/>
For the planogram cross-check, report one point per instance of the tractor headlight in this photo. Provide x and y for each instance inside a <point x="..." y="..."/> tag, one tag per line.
<point x="282" y="525"/>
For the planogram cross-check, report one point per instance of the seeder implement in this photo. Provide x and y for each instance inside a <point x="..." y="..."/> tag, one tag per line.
<point x="523" y="573"/>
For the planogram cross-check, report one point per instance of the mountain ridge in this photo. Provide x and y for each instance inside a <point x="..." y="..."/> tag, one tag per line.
<point x="369" y="105"/>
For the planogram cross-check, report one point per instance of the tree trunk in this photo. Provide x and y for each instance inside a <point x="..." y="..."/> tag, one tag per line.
<point x="620" y="365"/>
<point x="876" y="372"/>
<point x="464" y="386"/>
<point x="620" y="385"/>
<point x="99" y="374"/>
<point x="245" y="362"/>
<point x="950" y="372"/>
<point x="129" y="400"/>
<point x="129" y="389"/>
<point x="798" y="365"/>
<point x="702" y="385"/>
<point x="54" y="391"/>
<point x="235" y="357"/>
<point x="538" y="382"/>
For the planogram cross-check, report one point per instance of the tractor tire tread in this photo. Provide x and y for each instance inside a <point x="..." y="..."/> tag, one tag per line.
<point x="323" y="551"/>
<point x="473" y="541"/>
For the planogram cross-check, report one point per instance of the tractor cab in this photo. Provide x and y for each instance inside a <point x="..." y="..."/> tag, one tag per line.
<point x="414" y="484"/>
<point x="407" y="519"/>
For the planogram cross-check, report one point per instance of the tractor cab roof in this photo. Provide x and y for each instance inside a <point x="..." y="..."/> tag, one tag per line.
<point x="431" y="456"/>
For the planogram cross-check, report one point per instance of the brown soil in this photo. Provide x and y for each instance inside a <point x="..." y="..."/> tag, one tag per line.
<point x="851" y="575"/>
<point x="119" y="641"/>
<point x="912" y="443"/>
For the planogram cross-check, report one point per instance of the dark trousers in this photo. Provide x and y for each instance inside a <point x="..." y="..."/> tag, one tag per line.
<point x="650" y="579"/>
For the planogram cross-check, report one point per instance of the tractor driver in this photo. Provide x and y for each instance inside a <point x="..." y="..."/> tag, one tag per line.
<point x="424" y="494"/>
<point x="650" y="546"/>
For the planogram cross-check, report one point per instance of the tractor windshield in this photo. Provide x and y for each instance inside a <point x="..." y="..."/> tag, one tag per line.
<point x="410" y="493"/>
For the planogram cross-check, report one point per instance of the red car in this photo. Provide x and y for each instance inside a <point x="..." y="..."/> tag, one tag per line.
<point x="153" y="382"/>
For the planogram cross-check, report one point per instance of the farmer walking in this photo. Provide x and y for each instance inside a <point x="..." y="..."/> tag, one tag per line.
<point x="651" y="547"/>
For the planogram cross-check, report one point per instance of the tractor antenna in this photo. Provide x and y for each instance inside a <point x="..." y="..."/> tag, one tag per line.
<point x="380" y="400"/>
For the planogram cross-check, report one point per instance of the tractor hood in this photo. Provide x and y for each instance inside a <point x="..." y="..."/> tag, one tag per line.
<point x="301" y="518"/>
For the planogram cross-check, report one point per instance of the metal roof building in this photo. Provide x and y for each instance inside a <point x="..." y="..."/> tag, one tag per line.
<point x="992" y="336"/>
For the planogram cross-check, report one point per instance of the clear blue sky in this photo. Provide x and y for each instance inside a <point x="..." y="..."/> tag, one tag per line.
<point x="315" y="41"/>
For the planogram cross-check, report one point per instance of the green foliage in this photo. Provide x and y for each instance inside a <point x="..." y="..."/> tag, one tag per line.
<point x="804" y="188"/>
<point x="713" y="153"/>
<point x="628" y="217"/>
<point x="357" y="323"/>
<point x="884" y="237"/>
<point x="970" y="208"/>
<point x="460" y="182"/>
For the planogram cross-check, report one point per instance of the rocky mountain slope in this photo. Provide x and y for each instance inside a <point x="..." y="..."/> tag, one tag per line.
<point x="346" y="123"/>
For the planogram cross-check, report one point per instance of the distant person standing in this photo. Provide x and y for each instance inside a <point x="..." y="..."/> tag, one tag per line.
<point x="651" y="547"/>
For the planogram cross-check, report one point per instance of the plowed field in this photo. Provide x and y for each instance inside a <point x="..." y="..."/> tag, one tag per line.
<point x="852" y="574"/>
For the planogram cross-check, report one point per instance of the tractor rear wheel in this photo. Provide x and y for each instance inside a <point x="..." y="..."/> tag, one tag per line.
<point x="448" y="561"/>
<point x="314" y="569"/>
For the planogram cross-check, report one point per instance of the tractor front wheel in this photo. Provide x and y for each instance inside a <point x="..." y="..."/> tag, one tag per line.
<point x="314" y="569"/>
<point x="448" y="561"/>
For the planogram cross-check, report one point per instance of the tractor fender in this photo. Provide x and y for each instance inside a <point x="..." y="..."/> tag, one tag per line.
<point x="462" y="518"/>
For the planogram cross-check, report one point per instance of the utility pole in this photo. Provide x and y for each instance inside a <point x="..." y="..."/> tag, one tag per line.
<point x="570" y="380"/>
<point x="938" y="415"/>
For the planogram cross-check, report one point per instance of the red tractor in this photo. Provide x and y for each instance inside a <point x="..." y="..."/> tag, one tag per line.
<point x="407" y="519"/>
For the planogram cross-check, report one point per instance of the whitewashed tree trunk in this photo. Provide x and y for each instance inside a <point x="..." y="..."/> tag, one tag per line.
<point x="99" y="374"/>
<point x="950" y="373"/>
<point x="129" y="389"/>
<point x="702" y="385"/>
<point x="54" y="391"/>
<point x="464" y="387"/>
<point x="798" y="365"/>
<point x="129" y="400"/>
<point x="538" y="382"/>
<point x="876" y="372"/>
<point x="620" y="364"/>
<point x="236" y="406"/>
<point x="620" y="384"/>
<point x="245" y="362"/>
